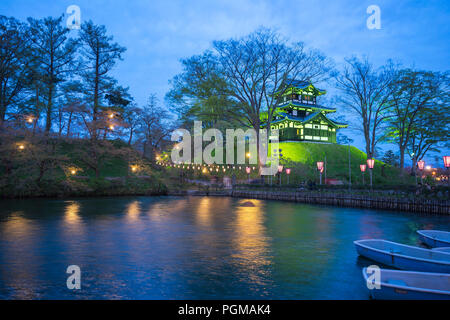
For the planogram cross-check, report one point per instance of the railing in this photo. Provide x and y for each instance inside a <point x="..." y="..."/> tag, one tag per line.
<point x="372" y="201"/>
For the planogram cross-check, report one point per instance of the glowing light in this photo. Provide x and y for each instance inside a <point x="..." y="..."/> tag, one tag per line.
<point x="320" y="166"/>
<point x="370" y="163"/>
<point x="21" y="147"/>
<point x="420" y="164"/>
<point x="280" y="168"/>
<point x="428" y="167"/>
<point x="134" y="168"/>
<point x="362" y="167"/>
<point x="248" y="169"/>
<point x="447" y="161"/>
<point x="248" y="155"/>
<point x="111" y="127"/>
<point x="288" y="171"/>
<point x="73" y="171"/>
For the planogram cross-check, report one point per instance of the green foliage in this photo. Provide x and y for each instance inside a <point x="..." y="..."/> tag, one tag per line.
<point x="44" y="168"/>
<point x="390" y="158"/>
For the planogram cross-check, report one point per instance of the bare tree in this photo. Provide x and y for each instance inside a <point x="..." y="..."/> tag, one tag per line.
<point x="365" y="92"/>
<point x="256" y="66"/>
<point x="153" y="127"/>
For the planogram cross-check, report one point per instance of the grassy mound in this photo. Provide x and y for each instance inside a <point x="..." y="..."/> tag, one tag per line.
<point x="50" y="167"/>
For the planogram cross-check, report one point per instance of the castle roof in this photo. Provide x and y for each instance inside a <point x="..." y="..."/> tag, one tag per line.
<point x="305" y="105"/>
<point x="299" y="85"/>
<point x="308" y="118"/>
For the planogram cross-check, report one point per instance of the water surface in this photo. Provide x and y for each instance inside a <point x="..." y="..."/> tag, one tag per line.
<point x="191" y="248"/>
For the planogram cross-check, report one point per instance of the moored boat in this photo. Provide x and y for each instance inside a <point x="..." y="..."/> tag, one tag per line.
<point x="442" y="249"/>
<point x="403" y="256"/>
<point x="409" y="285"/>
<point x="435" y="238"/>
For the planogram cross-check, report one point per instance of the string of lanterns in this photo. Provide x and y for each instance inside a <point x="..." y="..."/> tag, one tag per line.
<point x="206" y="168"/>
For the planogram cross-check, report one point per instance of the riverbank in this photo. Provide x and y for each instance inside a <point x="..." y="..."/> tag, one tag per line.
<point x="415" y="205"/>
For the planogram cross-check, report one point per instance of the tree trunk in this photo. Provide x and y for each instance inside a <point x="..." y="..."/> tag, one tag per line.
<point x="69" y="122"/>
<point x="131" y="137"/>
<point x="402" y="157"/>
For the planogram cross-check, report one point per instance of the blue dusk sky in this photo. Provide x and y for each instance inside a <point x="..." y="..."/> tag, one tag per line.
<point x="157" y="34"/>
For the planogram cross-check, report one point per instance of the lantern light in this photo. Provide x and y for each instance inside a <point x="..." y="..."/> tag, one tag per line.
<point x="21" y="147"/>
<point x="370" y="163"/>
<point x="288" y="171"/>
<point x="447" y="161"/>
<point x="73" y="171"/>
<point x="420" y="164"/>
<point x="248" y="154"/>
<point x="111" y="127"/>
<point x="280" y="168"/>
<point x="320" y="166"/>
<point x="248" y="169"/>
<point x="362" y="167"/>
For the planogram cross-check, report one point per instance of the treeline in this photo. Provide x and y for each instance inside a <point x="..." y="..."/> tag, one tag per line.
<point x="234" y="84"/>
<point x="57" y="82"/>
<point x="66" y="124"/>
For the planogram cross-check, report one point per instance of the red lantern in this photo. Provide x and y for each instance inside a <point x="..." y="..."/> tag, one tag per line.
<point x="362" y="167"/>
<point x="421" y="164"/>
<point x="280" y="168"/>
<point x="320" y="166"/>
<point x="288" y="171"/>
<point x="447" y="161"/>
<point x="248" y="169"/>
<point x="370" y="163"/>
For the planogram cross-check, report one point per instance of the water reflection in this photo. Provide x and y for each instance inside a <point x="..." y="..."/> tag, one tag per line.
<point x="18" y="236"/>
<point x="71" y="214"/>
<point x="250" y="241"/>
<point x="192" y="247"/>
<point x="133" y="211"/>
<point x="203" y="212"/>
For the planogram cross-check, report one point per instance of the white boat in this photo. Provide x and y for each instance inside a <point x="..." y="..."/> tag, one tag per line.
<point x="409" y="285"/>
<point x="435" y="238"/>
<point x="403" y="256"/>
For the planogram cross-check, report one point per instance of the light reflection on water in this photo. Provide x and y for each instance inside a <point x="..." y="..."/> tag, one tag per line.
<point x="195" y="247"/>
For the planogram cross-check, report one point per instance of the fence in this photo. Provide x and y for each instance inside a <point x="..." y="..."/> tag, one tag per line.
<point x="425" y="206"/>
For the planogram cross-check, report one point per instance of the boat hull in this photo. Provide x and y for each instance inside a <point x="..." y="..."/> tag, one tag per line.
<point x="393" y="292"/>
<point x="389" y="293"/>
<point x="433" y="242"/>
<point x="401" y="261"/>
